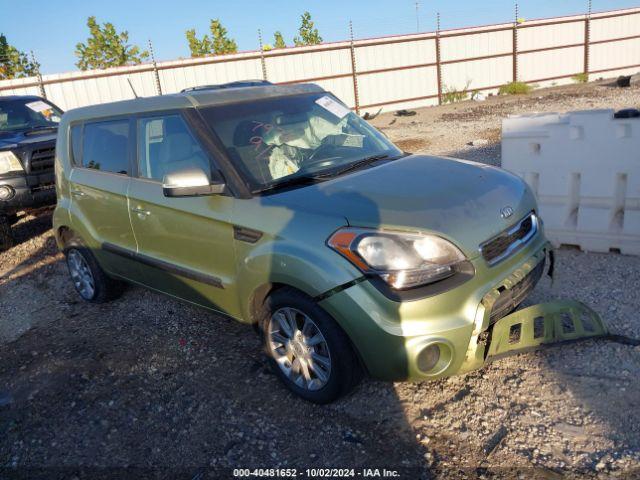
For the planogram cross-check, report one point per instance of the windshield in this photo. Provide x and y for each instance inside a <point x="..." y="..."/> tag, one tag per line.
<point x="272" y="141"/>
<point x="26" y="114"/>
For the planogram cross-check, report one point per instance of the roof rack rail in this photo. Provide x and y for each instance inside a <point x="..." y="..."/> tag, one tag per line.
<point x="236" y="84"/>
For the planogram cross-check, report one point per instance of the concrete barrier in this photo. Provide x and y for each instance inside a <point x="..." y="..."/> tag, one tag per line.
<point x="584" y="168"/>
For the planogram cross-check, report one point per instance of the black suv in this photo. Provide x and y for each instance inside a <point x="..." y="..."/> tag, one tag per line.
<point x="28" y="128"/>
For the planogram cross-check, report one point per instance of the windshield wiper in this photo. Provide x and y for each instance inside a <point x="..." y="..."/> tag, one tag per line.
<point x="40" y="128"/>
<point x="319" y="177"/>
<point x="293" y="181"/>
<point x="357" y="165"/>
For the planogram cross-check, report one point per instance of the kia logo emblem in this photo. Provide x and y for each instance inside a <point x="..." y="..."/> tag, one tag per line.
<point x="506" y="212"/>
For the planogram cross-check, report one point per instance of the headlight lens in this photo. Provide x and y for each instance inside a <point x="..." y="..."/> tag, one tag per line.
<point x="403" y="260"/>
<point x="9" y="163"/>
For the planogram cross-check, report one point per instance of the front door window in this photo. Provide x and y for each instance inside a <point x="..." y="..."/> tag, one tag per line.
<point x="166" y="145"/>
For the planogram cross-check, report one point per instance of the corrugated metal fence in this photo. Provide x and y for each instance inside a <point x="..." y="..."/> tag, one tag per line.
<point x="392" y="72"/>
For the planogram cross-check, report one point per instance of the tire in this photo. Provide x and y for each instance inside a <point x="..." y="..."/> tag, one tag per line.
<point x="302" y="366"/>
<point x="90" y="281"/>
<point x="6" y="235"/>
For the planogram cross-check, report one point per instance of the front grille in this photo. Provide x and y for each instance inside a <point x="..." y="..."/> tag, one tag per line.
<point x="42" y="160"/>
<point x="508" y="242"/>
<point x="509" y="299"/>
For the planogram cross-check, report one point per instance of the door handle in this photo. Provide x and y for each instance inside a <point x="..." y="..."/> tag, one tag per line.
<point x="141" y="211"/>
<point x="77" y="193"/>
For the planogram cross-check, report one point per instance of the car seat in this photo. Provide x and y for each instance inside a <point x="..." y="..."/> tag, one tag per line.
<point x="178" y="151"/>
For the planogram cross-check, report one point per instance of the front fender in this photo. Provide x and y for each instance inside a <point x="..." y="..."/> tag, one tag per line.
<point x="313" y="269"/>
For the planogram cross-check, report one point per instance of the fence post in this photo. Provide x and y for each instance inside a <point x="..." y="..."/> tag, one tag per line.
<point x="43" y="93"/>
<point x="515" y="46"/>
<point x="155" y="69"/>
<point x="353" y="69"/>
<point x="438" y="63"/>
<point x="587" y="40"/>
<point x="263" y="62"/>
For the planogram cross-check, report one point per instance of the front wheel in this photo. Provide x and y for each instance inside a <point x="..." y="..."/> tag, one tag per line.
<point x="307" y="350"/>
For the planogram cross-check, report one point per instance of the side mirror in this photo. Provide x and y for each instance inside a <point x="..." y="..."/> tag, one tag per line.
<point x="190" y="182"/>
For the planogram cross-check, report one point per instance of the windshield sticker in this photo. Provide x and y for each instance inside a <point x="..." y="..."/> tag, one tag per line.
<point x="155" y="130"/>
<point x="38" y="106"/>
<point x="332" y="106"/>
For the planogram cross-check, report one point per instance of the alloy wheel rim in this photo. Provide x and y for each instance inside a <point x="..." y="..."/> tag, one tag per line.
<point x="299" y="348"/>
<point x="81" y="274"/>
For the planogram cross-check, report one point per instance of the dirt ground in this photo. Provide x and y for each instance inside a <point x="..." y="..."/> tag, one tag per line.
<point x="172" y="391"/>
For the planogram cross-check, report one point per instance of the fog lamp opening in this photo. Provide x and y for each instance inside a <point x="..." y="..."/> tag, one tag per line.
<point x="6" y="193"/>
<point x="434" y="358"/>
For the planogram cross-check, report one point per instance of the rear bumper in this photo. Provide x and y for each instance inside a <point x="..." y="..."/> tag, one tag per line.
<point x="29" y="191"/>
<point x="389" y="335"/>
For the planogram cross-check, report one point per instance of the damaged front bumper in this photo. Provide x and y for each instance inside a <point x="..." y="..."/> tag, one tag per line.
<point x="464" y="327"/>
<point x="531" y="327"/>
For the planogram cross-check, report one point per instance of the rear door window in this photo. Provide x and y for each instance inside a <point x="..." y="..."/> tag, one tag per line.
<point x="105" y="146"/>
<point x="166" y="145"/>
<point x="76" y="145"/>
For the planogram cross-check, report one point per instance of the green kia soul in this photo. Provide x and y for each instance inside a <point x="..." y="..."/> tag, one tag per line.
<point x="279" y="207"/>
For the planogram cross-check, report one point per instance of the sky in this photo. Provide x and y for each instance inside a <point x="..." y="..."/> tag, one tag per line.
<point x="52" y="28"/>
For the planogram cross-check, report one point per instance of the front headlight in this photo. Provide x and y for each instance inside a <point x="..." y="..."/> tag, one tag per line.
<point x="9" y="163"/>
<point x="403" y="260"/>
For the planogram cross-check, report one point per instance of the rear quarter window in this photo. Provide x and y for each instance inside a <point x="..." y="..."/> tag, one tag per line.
<point x="105" y="146"/>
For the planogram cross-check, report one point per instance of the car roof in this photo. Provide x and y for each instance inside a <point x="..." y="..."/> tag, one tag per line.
<point x="20" y="97"/>
<point x="199" y="97"/>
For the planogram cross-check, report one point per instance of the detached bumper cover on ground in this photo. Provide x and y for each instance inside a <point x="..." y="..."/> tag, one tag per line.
<point x="547" y="323"/>
<point x="554" y="322"/>
<point x="543" y="324"/>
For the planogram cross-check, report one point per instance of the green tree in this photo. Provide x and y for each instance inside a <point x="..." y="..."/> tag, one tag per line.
<point x="308" y="33"/>
<point x="14" y="63"/>
<point x="221" y="43"/>
<point x="198" y="48"/>
<point x="278" y="40"/>
<point x="218" y="43"/>
<point x="106" y="48"/>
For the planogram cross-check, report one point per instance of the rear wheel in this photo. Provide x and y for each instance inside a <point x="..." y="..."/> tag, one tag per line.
<point x="6" y="235"/>
<point x="307" y="350"/>
<point x="88" y="278"/>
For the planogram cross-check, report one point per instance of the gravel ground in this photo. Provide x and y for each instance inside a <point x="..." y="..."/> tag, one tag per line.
<point x="150" y="383"/>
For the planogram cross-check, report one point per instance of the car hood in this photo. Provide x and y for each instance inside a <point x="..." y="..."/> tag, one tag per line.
<point x="9" y="141"/>
<point x="457" y="199"/>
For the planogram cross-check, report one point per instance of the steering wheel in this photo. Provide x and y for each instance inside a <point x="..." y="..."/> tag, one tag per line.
<point x="324" y="148"/>
<point x="326" y="154"/>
